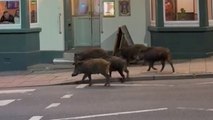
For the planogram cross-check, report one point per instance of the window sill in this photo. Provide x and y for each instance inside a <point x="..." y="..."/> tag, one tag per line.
<point x="12" y="31"/>
<point x="10" y="26"/>
<point x="179" y="29"/>
<point x="181" y="23"/>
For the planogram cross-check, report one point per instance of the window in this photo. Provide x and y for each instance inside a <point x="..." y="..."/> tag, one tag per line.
<point x="85" y="7"/>
<point x="33" y="11"/>
<point x="210" y="14"/>
<point x="96" y="8"/>
<point x="181" y="12"/>
<point x="80" y="7"/>
<point x="9" y="13"/>
<point x="153" y="12"/>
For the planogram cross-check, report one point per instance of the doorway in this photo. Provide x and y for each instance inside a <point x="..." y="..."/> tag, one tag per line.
<point x="82" y="23"/>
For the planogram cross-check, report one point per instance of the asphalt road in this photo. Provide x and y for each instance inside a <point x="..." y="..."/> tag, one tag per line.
<point x="144" y="100"/>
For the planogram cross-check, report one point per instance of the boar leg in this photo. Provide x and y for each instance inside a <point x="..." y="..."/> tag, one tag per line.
<point x="90" y="80"/>
<point x="151" y="66"/>
<point x="170" y="62"/>
<point x="122" y="74"/>
<point x="163" y="65"/>
<point x="107" y="79"/>
<point x="154" y="67"/>
<point x="84" y="77"/>
<point x="110" y="73"/>
<point x="127" y="72"/>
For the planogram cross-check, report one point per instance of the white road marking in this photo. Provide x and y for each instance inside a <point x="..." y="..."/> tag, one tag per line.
<point x="211" y="110"/>
<point x="81" y="86"/>
<point x="196" y="109"/>
<point x="190" y="108"/>
<point x="204" y="83"/>
<point x="113" y="114"/>
<point x="36" y="118"/>
<point x="6" y="102"/>
<point x="67" y="96"/>
<point x="16" y="91"/>
<point x="53" y="105"/>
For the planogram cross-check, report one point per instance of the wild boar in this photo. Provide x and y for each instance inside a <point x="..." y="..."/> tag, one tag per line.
<point x="92" y="66"/>
<point x="118" y="64"/>
<point x="90" y="53"/>
<point x="132" y="52"/>
<point x="153" y="54"/>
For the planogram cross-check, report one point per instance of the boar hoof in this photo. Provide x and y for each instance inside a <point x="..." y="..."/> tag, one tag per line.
<point x="107" y="84"/>
<point x="122" y="80"/>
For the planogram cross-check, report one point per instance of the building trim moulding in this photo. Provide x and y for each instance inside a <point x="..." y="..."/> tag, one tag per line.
<point x="180" y="29"/>
<point x="12" y="31"/>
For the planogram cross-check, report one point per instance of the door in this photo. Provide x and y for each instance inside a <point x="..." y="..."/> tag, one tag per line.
<point x="83" y="25"/>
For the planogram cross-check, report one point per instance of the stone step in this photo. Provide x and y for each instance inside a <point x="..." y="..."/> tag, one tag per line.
<point x="62" y="61"/>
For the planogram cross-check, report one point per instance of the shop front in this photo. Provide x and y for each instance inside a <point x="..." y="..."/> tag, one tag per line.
<point x="19" y="40"/>
<point x="184" y="26"/>
<point x="37" y="31"/>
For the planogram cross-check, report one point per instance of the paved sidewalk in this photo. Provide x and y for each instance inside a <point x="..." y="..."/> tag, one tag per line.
<point x="47" y="74"/>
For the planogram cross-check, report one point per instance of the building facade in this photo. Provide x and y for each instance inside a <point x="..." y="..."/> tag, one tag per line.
<point x="38" y="31"/>
<point x="184" y="26"/>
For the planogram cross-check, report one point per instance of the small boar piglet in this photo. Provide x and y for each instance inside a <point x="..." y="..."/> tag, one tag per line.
<point x="153" y="54"/>
<point x="92" y="66"/>
<point x="118" y="64"/>
<point x="132" y="53"/>
<point x="90" y="53"/>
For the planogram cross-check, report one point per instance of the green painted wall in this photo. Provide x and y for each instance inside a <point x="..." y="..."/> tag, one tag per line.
<point x="19" y="48"/>
<point x="184" y="42"/>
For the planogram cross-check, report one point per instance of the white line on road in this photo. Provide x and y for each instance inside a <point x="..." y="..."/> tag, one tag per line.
<point x="67" y="96"/>
<point x="204" y="83"/>
<point x="81" y="86"/>
<point x="190" y="108"/>
<point x="210" y="110"/>
<point x="196" y="109"/>
<point x="16" y="91"/>
<point x="53" y="105"/>
<point x="6" y="102"/>
<point x="36" y="118"/>
<point x="113" y="114"/>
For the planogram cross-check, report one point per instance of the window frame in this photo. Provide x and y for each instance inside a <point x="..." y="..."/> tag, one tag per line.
<point x="12" y="26"/>
<point x="178" y="23"/>
<point x="34" y="25"/>
<point x="152" y="22"/>
<point x="210" y="20"/>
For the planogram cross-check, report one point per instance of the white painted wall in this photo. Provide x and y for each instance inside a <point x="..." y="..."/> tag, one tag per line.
<point x="50" y="38"/>
<point x="136" y="24"/>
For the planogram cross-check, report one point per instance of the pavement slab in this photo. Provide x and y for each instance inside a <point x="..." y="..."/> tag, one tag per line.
<point x="195" y="68"/>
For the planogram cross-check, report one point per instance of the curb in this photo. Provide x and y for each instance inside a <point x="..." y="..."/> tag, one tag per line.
<point x="146" y="78"/>
<point x="133" y="78"/>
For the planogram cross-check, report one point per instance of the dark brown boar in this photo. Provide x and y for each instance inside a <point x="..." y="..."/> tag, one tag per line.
<point x="132" y="52"/>
<point x="92" y="66"/>
<point x="90" y="53"/>
<point x="153" y="54"/>
<point x="118" y="64"/>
